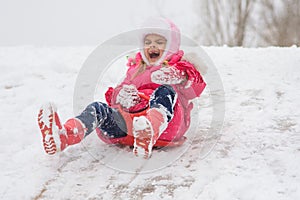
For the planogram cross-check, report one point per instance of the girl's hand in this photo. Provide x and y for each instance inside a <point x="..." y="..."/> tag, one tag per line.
<point x="128" y="96"/>
<point x="168" y="75"/>
<point x="193" y="76"/>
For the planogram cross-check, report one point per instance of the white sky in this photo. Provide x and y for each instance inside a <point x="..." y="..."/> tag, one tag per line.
<point x="83" y="22"/>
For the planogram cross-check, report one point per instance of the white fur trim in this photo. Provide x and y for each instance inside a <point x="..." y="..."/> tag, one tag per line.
<point x="155" y="26"/>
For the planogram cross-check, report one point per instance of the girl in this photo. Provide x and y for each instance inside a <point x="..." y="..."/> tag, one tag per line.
<point x="150" y="107"/>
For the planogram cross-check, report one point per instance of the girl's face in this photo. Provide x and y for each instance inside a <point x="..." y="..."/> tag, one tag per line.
<point x="154" y="46"/>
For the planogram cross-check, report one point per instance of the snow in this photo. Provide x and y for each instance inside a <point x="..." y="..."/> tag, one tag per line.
<point x="256" y="156"/>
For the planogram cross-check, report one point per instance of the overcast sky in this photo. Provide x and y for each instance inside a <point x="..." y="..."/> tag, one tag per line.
<point x="83" y="22"/>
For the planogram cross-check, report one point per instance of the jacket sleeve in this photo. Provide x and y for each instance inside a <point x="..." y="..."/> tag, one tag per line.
<point x="194" y="85"/>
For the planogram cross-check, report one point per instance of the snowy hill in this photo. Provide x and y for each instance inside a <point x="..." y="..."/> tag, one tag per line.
<point x="257" y="153"/>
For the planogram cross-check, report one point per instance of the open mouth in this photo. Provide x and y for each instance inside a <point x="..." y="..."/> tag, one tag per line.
<point x="154" y="55"/>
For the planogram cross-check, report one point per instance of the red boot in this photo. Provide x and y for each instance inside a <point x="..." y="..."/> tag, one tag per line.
<point x="55" y="136"/>
<point x="75" y="131"/>
<point x="146" y="131"/>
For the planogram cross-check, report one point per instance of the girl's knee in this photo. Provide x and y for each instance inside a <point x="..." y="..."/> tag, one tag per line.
<point x="98" y="105"/>
<point x="165" y="90"/>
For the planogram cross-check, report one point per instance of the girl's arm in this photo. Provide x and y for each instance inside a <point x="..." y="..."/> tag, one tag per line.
<point x="182" y="75"/>
<point x="194" y="84"/>
<point x="112" y="93"/>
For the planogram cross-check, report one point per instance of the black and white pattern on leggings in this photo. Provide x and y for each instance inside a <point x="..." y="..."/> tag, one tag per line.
<point x="100" y="115"/>
<point x="164" y="97"/>
<point x="111" y="122"/>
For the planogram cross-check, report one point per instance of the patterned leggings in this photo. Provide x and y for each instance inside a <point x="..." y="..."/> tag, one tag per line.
<point x="111" y="122"/>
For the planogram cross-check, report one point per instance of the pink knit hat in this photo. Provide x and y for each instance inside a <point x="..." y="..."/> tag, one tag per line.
<point x="165" y="28"/>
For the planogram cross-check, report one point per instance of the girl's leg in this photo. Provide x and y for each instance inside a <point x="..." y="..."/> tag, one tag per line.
<point x="95" y="115"/>
<point x="147" y="129"/>
<point x="100" y="115"/>
<point x="57" y="136"/>
<point x="164" y="98"/>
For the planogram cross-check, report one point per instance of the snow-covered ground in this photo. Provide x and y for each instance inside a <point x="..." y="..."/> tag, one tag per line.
<point x="257" y="155"/>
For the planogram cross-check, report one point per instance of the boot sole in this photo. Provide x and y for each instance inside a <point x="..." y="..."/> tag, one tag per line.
<point x="49" y="123"/>
<point x="143" y="139"/>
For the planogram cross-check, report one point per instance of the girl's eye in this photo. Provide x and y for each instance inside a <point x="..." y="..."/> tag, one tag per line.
<point x="160" y="42"/>
<point x="147" y="42"/>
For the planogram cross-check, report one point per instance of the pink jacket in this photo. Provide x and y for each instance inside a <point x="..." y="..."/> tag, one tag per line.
<point x="186" y="91"/>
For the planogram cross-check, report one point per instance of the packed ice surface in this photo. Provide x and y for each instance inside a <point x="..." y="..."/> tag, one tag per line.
<point x="256" y="156"/>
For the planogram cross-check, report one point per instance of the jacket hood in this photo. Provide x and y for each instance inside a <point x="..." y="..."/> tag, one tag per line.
<point x="165" y="28"/>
